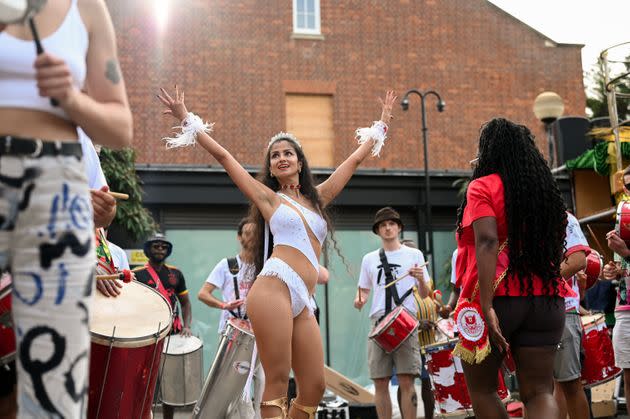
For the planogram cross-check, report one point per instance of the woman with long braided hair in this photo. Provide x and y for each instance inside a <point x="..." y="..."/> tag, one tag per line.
<point x="511" y="238"/>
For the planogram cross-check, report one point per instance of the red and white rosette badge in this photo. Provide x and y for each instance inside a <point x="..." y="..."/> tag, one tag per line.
<point x="473" y="345"/>
<point x="470" y="323"/>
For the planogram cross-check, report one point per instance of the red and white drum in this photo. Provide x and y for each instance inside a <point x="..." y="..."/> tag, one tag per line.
<point x="394" y="329"/>
<point x="448" y="382"/>
<point x="447" y="327"/>
<point x="7" y="335"/>
<point x="622" y="225"/>
<point x="127" y="338"/>
<point x="599" y="358"/>
<point x="594" y="267"/>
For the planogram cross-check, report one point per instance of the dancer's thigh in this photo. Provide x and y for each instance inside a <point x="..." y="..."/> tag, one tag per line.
<point x="308" y="359"/>
<point x="269" y="310"/>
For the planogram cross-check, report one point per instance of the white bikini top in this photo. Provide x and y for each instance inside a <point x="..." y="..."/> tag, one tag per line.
<point x="17" y="75"/>
<point x="288" y="229"/>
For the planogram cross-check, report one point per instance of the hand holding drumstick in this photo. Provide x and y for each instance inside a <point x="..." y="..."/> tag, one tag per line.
<point x="415" y="272"/>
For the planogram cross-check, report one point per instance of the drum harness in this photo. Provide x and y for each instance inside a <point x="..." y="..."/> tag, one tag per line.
<point x="391" y="293"/>
<point x="234" y="270"/>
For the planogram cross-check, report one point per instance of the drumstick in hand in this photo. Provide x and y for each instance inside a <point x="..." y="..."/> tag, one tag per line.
<point x="118" y="195"/>
<point x="599" y="245"/>
<point x="404" y="276"/>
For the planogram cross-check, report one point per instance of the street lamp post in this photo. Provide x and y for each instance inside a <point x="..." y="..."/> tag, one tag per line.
<point x="548" y="106"/>
<point x="427" y="182"/>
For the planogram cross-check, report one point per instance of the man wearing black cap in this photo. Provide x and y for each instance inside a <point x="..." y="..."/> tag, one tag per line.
<point x="378" y="268"/>
<point x="168" y="281"/>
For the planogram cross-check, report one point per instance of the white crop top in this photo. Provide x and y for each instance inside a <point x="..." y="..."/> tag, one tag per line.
<point x="288" y="228"/>
<point x="18" y="87"/>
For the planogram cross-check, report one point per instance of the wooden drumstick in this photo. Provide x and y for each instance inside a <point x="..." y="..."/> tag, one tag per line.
<point x="599" y="245"/>
<point x="119" y="275"/>
<point x="404" y="276"/>
<point x="118" y="195"/>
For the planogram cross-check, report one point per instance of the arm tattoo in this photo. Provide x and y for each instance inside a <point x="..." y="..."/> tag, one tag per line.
<point x="111" y="71"/>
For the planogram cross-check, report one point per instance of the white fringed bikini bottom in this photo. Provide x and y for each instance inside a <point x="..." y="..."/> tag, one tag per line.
<point x="300" y="297"/>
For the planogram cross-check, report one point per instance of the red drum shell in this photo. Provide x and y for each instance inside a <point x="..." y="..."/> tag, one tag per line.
<point x="599" y="360"/>
<point x="622" y="226"/>
<point x="7" y="335"/>
<point x="124" y="362"/>
<point x="594" y="267"/>
<point x="394" y="329"/>
<point x="447" y="379"/>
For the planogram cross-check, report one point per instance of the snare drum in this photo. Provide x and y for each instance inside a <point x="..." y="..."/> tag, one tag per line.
<point x="599" y="360"/>
<point x="394" y="329"/>
<point x="182" y="369"/>
<point x="7" y="335"/>
<point x="127" y="335"/>
<point x="594" y="267"/>
<point x="622" y="225"/>
<point x="448" y="382"/>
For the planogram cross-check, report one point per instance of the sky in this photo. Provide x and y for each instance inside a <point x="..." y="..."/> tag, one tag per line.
<point x="597" y="24"/>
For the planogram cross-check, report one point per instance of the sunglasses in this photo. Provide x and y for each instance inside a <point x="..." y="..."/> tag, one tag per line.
<point x="159" y="246"/>
<point x="627" y="186"/>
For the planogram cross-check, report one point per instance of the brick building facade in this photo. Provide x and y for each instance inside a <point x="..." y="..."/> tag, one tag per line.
<point x="239" y="59"/>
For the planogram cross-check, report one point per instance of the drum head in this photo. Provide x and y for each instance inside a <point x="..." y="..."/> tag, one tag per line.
<point x="592" y="319"/>
<point x="5" y="285"/>
<point x="180" y="345"/>
<point x="137" y="314"/>
<point x="242" y="325"/>
<point x="437" y="347"/>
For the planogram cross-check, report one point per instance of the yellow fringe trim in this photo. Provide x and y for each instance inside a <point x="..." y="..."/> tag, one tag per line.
<point x="475" y="356"/>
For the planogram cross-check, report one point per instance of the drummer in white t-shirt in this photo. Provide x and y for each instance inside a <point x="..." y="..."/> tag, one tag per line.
<point x="406" y="263"/>
<point x="567" y="367"/>
<point x="233" y="302"/>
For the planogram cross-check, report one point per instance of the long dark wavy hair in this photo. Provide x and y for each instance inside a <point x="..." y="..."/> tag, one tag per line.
<point x="307" y="188"/>
<point x="535" y="211"/>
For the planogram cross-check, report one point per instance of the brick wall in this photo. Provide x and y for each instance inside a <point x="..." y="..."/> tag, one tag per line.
<point x="237" y="58"/>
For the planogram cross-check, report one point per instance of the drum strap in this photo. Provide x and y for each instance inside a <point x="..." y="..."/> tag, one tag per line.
<point x="234" y="269"/>
<point x="391" y="293"/>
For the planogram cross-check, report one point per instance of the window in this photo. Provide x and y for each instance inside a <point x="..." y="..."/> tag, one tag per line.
<point x="310" y="119"/>
<point x="306" y="18"/>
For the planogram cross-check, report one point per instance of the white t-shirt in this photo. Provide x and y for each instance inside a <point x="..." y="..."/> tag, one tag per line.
<point x="575" y="242"/>
<point x="373" y="277"/>
<point x="118" y="255"/>
<point x="96" y="178"/>
<point x="222" y="278"/>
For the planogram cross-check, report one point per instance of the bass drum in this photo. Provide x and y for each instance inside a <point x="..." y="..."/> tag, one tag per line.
<point x="127" y="335"/>
<point x="182" y="369"/>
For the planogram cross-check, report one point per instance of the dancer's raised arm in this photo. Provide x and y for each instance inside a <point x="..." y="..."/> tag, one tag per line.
<point x="370" y="139"/>
<point x="195" y="130"/>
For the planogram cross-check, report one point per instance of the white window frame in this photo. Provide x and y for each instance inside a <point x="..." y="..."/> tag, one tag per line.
<point x="308" y="31"/>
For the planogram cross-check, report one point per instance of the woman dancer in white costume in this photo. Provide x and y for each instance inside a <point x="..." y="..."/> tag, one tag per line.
<point x="285" y="197"/>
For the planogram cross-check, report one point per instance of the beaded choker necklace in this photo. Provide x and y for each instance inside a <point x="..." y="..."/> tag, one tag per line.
<point x="290" y="186"/>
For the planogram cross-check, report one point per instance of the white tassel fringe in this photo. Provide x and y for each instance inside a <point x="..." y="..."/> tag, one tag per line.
<point x="190" y="127"/>
<point x="377" y="132"/>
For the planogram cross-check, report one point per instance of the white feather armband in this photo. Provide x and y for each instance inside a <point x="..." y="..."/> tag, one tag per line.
<point x="377" y="132"/>
<point x="191" y="125"/>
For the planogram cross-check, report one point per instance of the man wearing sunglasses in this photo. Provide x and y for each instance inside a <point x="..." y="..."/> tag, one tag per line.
<point x="168" y="281"/>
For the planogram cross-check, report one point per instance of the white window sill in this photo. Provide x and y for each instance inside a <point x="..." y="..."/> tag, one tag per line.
<point x="297" y="35"/>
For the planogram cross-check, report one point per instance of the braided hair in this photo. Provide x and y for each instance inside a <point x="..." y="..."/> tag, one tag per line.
<point x="535" y="212"/>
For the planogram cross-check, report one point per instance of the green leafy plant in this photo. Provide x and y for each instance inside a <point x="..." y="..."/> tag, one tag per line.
<point x="131" y="216"/>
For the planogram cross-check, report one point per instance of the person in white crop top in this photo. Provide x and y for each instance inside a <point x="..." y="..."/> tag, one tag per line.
<point x="46" y="217"/>
<point x="286" y="199"/>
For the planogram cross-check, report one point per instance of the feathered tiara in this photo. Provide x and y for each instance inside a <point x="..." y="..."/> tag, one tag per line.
<point x="283" y="136"/>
